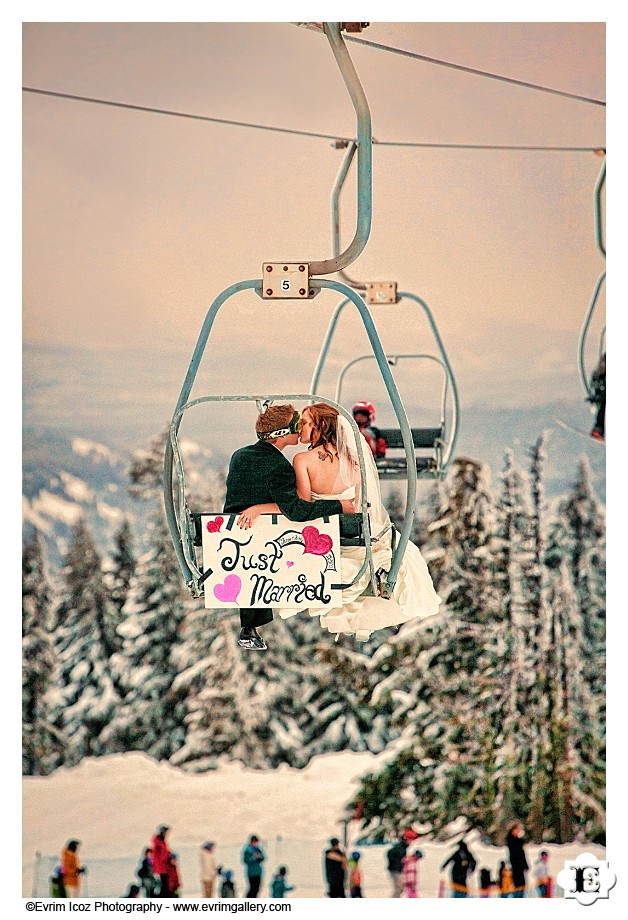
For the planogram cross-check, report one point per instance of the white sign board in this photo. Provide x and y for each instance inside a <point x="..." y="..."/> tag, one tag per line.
<point x="276" y="563"/>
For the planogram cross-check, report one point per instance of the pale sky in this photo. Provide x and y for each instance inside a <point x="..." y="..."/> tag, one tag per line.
<point x="134" y="222"/>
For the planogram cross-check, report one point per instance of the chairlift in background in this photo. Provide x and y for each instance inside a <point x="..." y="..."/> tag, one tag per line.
<point x="587" y="376"/>
<point x="434" y="445"/>
<point x="438" y="440"/>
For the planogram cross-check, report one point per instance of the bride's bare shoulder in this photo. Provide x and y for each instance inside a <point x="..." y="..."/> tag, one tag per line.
<point x="301" y="459"/>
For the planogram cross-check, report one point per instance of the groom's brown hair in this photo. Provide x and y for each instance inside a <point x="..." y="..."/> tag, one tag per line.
<point x="274" y="418"/>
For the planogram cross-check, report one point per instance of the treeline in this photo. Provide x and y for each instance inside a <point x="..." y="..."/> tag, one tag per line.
<point x="495" y="707"/>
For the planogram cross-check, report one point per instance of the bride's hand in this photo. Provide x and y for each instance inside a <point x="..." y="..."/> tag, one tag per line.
<point x="348" y="506"/>
<point x="246" y="518"/>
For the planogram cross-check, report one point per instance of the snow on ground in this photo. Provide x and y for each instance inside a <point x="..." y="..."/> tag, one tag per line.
<point x="113" y="805"/>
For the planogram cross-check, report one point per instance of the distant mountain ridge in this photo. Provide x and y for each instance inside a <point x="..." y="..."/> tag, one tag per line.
<point x="66" y="479"/>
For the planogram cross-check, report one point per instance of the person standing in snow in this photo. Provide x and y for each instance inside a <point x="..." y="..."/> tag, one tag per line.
<point x="518" y="861"/>
<point x="161" y="854"/>
<point x="410" y="873"/>
<point x="227" y="888"/>
<point x="394" y="864"/>
<point x="355" y="876"/>
<point x="335" y="869"/>
<point x="57" y="888"/>
<point x="504" y="880"/>
<point x="253" y="857"/>
<point x="542" y="878"/>
<point x="462" y="865"/>
<point x="146" y="875"/>
<point x="486" y="883"/>
<point x="209" y="869"/>
<point x="279" y="884"/>
<point x="72" y="869"/>
<point x="174" y="878"/>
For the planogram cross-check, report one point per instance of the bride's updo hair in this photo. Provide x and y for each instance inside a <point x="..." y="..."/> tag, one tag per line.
<point x="324" y="426"/>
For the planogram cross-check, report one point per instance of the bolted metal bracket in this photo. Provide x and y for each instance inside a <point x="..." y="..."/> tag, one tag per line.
<point x="286" y="281"/>
<point x="381" y="292"/>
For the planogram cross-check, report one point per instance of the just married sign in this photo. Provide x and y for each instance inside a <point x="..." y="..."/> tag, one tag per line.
<point x="276" y="563"/>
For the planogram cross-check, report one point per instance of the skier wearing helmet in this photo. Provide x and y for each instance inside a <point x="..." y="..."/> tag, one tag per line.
<point x="364" y="415"/>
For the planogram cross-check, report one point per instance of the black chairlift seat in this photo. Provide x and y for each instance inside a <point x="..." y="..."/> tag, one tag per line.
<point x="422" y="439"/>
<point x="351" y="527"/>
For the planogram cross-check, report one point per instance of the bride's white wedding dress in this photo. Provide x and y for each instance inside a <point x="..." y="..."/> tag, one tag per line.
<point x="413" y="595"/>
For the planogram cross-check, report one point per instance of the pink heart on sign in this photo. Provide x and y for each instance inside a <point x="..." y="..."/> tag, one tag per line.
<point x="316" y="543"/>
<point x="215" y="525"/>
<point x="289" y="564"/>
<point x="229" y="590"/>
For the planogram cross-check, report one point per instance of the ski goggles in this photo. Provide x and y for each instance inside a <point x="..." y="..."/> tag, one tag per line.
<point x="294" y="427"/>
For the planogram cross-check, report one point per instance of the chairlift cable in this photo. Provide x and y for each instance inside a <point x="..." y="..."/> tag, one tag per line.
<point x="93" y="100"/>
<point x="464" y="69"/>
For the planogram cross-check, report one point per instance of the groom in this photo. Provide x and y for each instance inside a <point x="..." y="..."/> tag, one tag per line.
<point x="260" y="474"/>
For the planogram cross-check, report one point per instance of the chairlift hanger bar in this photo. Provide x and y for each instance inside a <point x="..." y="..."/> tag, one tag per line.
<point x="376" y="292"/>
<point x="290" y="279"/>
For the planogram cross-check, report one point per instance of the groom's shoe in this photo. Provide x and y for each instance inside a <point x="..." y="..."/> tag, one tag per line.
<point x="250" y="638"/>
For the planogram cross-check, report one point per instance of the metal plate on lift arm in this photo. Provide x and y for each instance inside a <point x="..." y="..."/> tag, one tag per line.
<point x="381" y="292"/>
<point x="285" y="280"/>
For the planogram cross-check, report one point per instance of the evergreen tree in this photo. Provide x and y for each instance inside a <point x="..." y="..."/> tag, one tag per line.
<point x="122" y="567"/>
<point x="513" y="566"/>
<point x="41" y="741"/>
<point x="147" y="469"/>
<point x="575" y="756"/>
<point x="499" y="721"/>
<point x="151" y="718"/>
<point x="536" y="702"/>
<point x="225" y="715"/>
<point x="438" y="676"/>
<point x="578" y="536"/>
<point x="336" y="711"/>
<point x="85" y="700"/>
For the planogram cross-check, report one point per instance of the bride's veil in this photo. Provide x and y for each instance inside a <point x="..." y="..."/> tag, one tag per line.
<point x="350" y="474"/>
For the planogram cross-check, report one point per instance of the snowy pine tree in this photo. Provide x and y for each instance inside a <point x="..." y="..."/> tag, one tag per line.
<point x="576" y="559"/>
<point x="337" y="715"/>
<point x="227" y="712"/>
<point x="151" y="717"/>
<point x="85" y="699"/>
<point x="42" y="743"/>
<point x="498" y="722"/>
<point x="578" y="536"/>
<point x="443" y="702"/>
<point x="122" y="567"/>
<point x="513" y="566"/>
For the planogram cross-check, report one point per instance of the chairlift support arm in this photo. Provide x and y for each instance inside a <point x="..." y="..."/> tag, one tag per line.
<point x="364" y="145"/>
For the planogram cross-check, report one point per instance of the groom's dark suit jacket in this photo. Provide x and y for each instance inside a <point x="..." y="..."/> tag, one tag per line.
<point x="258" y="474"/>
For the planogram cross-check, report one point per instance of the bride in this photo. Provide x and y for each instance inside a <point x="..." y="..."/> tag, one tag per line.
<point x="330" y="469"/>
